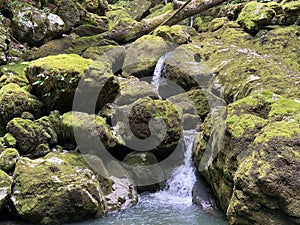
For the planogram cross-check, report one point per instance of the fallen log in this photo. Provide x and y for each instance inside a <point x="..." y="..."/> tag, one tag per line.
<point x="171" y="17"/>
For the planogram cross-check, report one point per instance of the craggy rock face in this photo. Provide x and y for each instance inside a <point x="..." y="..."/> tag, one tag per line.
<point x="255" y="174"/>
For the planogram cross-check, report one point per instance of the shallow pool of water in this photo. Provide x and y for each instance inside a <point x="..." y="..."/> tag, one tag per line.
<point x="160" y="208"/>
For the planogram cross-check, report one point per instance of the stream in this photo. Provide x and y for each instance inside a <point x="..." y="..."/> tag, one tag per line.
<point x="173" y="205"/>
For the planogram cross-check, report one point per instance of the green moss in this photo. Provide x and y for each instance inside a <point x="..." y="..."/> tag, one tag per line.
<point x="51" y="190"/>
<point x="254" y="165"/>
<point x="89" y="127"/>
<point x="217" y="23"/>
<point x="255" y="15"/>
<point x="14" y="101"/>
<point x="283" y="129"/>
<point x="14" y="73"/>
<point x="238" y="125"/>
<point x="164" y="9"/>
<point x="33" y="137"/>
<point x="284" y="107"/>
<point x="62" y="63"/>
<point x="10" y="140"/>
<point x="8" y="159"/>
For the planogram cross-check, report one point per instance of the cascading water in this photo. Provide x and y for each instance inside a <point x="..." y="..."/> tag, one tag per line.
<point x="158" y="70"/>
<point x="183" y="178"/>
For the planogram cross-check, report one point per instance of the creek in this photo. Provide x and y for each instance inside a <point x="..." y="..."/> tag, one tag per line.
<point x="173" y="205"/>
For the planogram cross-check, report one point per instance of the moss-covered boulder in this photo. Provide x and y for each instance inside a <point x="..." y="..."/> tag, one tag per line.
<point x="139" y="167"/>
<point x="255" y="15"/>
<point x="8" y="159"/>
<point x="53" y="190"/>
<point x="176" y="34"/>
<point x="90" y="132"/>
<point x="35" y="26"/>
<point x="62" y="187"/>
<point x="14" y="73"/>
<point x="34" y="138"/>
<point x="154" y="123"/>
<point x="15" y="100"/>
<point x="142" y="55"/>
<point x="55" y="79"/>
<point x="255" y="173"/>
<point x="132" y="89"/>
<point x="185" y="68"/>
<point x="5" y="188"/>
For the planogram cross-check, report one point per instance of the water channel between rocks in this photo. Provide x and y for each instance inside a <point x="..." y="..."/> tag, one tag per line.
<point x="173" y="205"/>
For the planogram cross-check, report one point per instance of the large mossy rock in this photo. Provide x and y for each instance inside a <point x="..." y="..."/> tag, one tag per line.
<point x="15" y="100"/>
<point x="142" y="55"/>
<point x="55" y="80"/>
<point x="249" y="173"/>
<point x="34" y="138"/>
<point x="51" y="190"/>
<point x="90" y="132"/>
<point x="255" y="15"/>
<point x="156" y="122"/>
<point x="5" y="188"/>
<point x="61" y="188"/>
<point x="256" y="171"/>
<point x="35" y="26"/>
<point x="185" y="68"/>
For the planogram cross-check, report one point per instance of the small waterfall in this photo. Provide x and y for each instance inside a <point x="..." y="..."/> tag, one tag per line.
<point x="179" y="187"/>
<point x="182" y="181"/>
<point x="191" y="21"/>
<point x="158" y="70"/>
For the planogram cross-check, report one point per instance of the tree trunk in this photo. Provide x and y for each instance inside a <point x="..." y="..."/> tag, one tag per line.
<point x="145" y="26"/>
